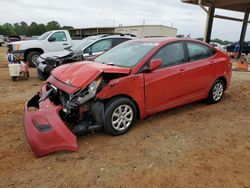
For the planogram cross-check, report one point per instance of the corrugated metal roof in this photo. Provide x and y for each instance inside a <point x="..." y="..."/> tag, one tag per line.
<point x="235" y="5"/>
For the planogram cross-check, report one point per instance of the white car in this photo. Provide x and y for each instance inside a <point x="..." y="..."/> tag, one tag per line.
<point x="219" y="46"/>
<point x="50" y="41"/>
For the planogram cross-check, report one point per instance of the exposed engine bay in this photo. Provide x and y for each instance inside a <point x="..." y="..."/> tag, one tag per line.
<point x="81" y="111"/>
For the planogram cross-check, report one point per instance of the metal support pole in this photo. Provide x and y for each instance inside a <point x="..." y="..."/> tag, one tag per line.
<point x="209" y="24"/>
<point x="243" y="33"/>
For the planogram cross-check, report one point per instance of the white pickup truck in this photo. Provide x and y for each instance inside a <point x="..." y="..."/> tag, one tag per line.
<point x="50" y="41"/>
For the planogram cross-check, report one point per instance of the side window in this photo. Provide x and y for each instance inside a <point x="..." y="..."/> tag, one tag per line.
<point x="59" y="36"/>
<point x="102" y="45"/>
<point x="198" y="51"/>
<point x="172" y="54"/>
<point x="118" y="41"/>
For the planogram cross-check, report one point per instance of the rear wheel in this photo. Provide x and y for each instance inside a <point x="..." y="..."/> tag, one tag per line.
<point x="216" y="92"/>
<point x="32" y="57"/>
<point x="120" y="114"/>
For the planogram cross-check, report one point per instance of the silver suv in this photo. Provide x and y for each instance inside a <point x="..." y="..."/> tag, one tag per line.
<point x="86" y="49"/>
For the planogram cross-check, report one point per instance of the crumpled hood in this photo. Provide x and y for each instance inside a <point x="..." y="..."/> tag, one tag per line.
<point x="81" y="74"/>
<point x="59" y="54"/>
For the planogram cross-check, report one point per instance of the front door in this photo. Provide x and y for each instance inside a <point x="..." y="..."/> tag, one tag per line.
<point x="165" y="87"/>
<point x="59" y="43"/>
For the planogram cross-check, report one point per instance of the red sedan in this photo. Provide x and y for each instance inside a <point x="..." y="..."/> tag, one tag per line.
<point x="133" y="80"/>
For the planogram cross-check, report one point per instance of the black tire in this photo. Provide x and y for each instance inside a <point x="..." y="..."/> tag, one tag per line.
<point x="41" y="75"/>
<point x="13" y="78"/>
<point x="30" y="57"/>
<point x="26" y="75"/>
<point x="113" y="106"/>
<point x="219" y="87"/>
<point x="0" y="44"/>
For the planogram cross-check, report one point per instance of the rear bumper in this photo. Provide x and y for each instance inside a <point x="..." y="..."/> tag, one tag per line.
<point x="45" y="131"/>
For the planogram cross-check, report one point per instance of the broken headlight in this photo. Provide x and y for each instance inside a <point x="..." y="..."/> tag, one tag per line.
<point x="90" y="93"/>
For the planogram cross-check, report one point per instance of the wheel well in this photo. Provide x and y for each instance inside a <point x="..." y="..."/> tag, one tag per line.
<point x="129" y="97"/>
<point x="32" y="50"/>
<point x="223" y="79"/>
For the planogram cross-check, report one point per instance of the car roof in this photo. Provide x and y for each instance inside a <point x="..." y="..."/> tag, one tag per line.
<point x="104" y="36"/>
<point x="164" y="40"/>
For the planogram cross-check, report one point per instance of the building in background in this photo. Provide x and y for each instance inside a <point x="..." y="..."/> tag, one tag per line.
<point x="138" y="30"/>
<point x="148" y="30"/>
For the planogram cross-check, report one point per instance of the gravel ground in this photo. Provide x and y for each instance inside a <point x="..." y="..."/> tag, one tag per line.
<point x="197" y="145"/>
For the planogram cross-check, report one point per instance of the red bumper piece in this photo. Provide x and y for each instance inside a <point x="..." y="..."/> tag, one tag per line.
<point x="45" y="131"/>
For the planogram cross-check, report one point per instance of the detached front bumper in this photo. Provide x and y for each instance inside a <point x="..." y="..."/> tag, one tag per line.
<point x="45" y="131"/>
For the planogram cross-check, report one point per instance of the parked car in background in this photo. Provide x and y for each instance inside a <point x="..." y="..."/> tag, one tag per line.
<point x="50" y="41"/>
<point x="14" y="38"/>
<point x="34" y="37"/>
<point x="87" y="49"/>
<point x="1" y="40"/>
<point x="133" y="80"/>
<point x="235" y="47"/>
<point x="219" y="46"/>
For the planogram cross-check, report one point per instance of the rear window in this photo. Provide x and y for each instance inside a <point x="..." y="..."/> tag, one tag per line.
<point x="199" y="51"/>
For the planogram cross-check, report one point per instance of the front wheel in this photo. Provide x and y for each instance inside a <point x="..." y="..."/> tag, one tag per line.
<point x="32" y="57"/>
<point x="216" y="92"/>
<point x="120" y="114"/>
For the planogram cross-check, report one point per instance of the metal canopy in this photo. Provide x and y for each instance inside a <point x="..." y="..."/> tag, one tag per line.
<point x="235" y="5"/>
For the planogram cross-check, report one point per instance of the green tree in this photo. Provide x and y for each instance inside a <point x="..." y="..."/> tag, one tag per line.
<point x="9" y="29"/>
<point x="53" y="25"/>
<point x="33" y="29"/>
<point x="67" y="27"/>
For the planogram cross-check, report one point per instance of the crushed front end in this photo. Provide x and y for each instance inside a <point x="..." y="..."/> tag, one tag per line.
<point x="60" y="112"/>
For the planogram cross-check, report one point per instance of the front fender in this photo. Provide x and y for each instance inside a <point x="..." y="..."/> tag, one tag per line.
<point x="132" y="86"/>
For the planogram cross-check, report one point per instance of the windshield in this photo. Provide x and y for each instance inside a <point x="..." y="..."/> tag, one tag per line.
<point x="44" y="36"/>
<point x="127" y="54"/>
<point x="81" y="44"/>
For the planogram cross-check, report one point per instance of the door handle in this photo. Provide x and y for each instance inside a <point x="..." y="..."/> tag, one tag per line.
<point x="212" y="62"/>
<point x="65" y="44"/>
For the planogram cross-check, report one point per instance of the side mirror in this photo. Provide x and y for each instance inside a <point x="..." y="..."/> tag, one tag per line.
<point x="154" y="64"/>
<point x="87" y="51"/>
<point x="51" y="39"/>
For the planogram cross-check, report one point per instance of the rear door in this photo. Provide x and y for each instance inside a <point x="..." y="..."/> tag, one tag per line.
<point x="200" y="70"/>
<point x="165" y="87"/>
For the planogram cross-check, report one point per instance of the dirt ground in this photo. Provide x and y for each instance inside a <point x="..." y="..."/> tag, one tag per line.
<point x="197" y="145"/>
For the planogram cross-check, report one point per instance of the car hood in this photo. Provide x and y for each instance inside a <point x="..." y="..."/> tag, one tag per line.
<point x="27" y="44"/>
<point x="81" y="74"/>
<point x="59" y="54"/>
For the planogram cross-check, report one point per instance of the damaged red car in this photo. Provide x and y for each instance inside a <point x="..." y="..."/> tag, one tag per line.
<point x="131" y="81"/>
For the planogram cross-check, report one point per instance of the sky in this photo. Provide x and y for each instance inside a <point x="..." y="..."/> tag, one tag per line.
<point x="188" y="19"/>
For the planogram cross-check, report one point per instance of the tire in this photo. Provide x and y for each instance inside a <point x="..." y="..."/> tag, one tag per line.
<point x="31" y="57"/>
<point x="41" y="75"/>
<point x="216" y="92"/>
<point x="26" y="75"/>
<point x="115" y="122"/>
<point x="13" y="78"/>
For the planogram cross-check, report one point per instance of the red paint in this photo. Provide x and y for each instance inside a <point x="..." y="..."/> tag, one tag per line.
<point x="57" y="139"/>
<point x="152" y="91"/>
<point x="83" y="73"/>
